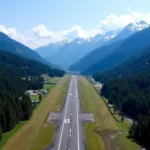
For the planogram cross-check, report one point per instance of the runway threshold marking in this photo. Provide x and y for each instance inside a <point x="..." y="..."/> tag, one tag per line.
<point x="64" y="116"/>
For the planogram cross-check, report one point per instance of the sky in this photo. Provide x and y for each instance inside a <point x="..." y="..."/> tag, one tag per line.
<point x="38" y="22"/>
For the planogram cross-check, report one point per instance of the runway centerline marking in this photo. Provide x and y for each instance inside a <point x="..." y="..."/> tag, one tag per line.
<point x="77" y="116"/>
<point x="65" y="115"/>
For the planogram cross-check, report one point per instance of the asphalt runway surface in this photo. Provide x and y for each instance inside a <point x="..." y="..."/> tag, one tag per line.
<point x="70" y="131"/>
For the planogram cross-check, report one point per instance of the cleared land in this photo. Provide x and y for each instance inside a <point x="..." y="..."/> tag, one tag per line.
<point x="106" y="133"/>
<point x="36" y="134"/>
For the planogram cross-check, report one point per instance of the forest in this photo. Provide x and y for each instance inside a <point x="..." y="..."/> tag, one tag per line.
<point x="28" y="67"/>
<point x="15" y="106"/>
<point x="132" y="97"/>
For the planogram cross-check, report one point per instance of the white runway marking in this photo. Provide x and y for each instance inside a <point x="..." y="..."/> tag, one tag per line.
<point x="77" y="117"/>
<point x="64" y="116"/>
<point x="67" y="120"/>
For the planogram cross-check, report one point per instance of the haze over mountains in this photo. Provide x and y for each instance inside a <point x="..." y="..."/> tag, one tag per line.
<point x="74" y="54"/>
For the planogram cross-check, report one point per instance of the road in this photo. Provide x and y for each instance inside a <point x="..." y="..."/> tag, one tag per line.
<point x="69" y="135"/>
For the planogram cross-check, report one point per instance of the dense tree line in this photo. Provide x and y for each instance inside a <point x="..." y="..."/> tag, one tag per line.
<point x="141" y="130"/>
<point x="35" y="82"/>
<point x="14" y="105"/>
<point x="132" y="97"/>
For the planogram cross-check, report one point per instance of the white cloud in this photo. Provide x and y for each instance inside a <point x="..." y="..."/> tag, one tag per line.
<point x="8" y="31"/>
<point x="41" y="35"/>
<point x="43" y="32"/>
<point x="78" y="31"/>
<point x="12" y="33"/>
<point x="113" y="21"/>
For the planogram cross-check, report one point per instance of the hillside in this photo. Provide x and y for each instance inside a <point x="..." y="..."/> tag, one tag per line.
<point x="26" y="66"/>
<point x="94" y="56"/>
<point x="129" y="47"/>
<point x="10" y="45"/>
<point x="133" y="66"/>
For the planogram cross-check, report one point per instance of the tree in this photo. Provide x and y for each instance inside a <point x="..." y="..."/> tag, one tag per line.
<point x="1" y="133"/>
<point x="122" y="118"/>
<point x="40" y="97"/>
<point x="26" y="107"/>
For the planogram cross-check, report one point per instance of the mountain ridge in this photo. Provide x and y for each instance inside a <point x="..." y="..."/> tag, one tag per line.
<point x="123" y="45"/>
<point x="10" y="45"/>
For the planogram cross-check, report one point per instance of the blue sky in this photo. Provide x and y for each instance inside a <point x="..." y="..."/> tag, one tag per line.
<point x="43" y="21"/>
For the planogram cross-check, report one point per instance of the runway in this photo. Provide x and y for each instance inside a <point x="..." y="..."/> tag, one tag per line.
<point x="70" y="132"/>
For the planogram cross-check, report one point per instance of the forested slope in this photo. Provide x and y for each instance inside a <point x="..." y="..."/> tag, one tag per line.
<point x="27" y="66"/>
<point x="133" y="66"/>
<point x="15" y="106"/>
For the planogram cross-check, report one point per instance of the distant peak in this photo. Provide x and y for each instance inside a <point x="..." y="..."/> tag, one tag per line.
<point x="133" y="27"/>
<point x="141" y="22"/>
<point x="129" y="25"/>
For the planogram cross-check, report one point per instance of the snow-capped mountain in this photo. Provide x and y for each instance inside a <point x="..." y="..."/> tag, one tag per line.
<point x="137" y="26"/>
<point x="51" y="48"/>
<point x="71" y="52"/>
<point x="130" y="29"/>
<point x="67" y="52"/>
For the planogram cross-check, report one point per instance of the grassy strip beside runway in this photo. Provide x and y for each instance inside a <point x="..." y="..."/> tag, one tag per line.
<point x="106" y="133"/>
<point x="36" y="134"/>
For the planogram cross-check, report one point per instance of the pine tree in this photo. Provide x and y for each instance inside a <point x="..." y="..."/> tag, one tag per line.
<point x="1" y="133"/>
<point x="40" y="97"/>
<point x="122" y="118"/>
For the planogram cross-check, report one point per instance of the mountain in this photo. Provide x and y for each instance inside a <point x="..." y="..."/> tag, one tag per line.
<point x="130" y="29"/>
<point x="50" y="49"/>
<point x="113" y="54"/>
<point x="71" y="52"/>
<point x="10" y="45"/>
<point x="133" y="66"/>
<point x="94" y="56"/>
<point x="66" y="53"/>
<point x="25" y="66"/>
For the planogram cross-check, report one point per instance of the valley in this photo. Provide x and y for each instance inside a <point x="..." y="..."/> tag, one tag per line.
<point x="75" y="75"/>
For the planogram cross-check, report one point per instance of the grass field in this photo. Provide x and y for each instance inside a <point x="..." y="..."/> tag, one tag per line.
<point x="8" y="135"/>
<point x="106" y="133"/>
<point x="36" y="134"/>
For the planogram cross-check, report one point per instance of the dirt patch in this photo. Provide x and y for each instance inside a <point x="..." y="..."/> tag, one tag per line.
<point x="109" y="138"/>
